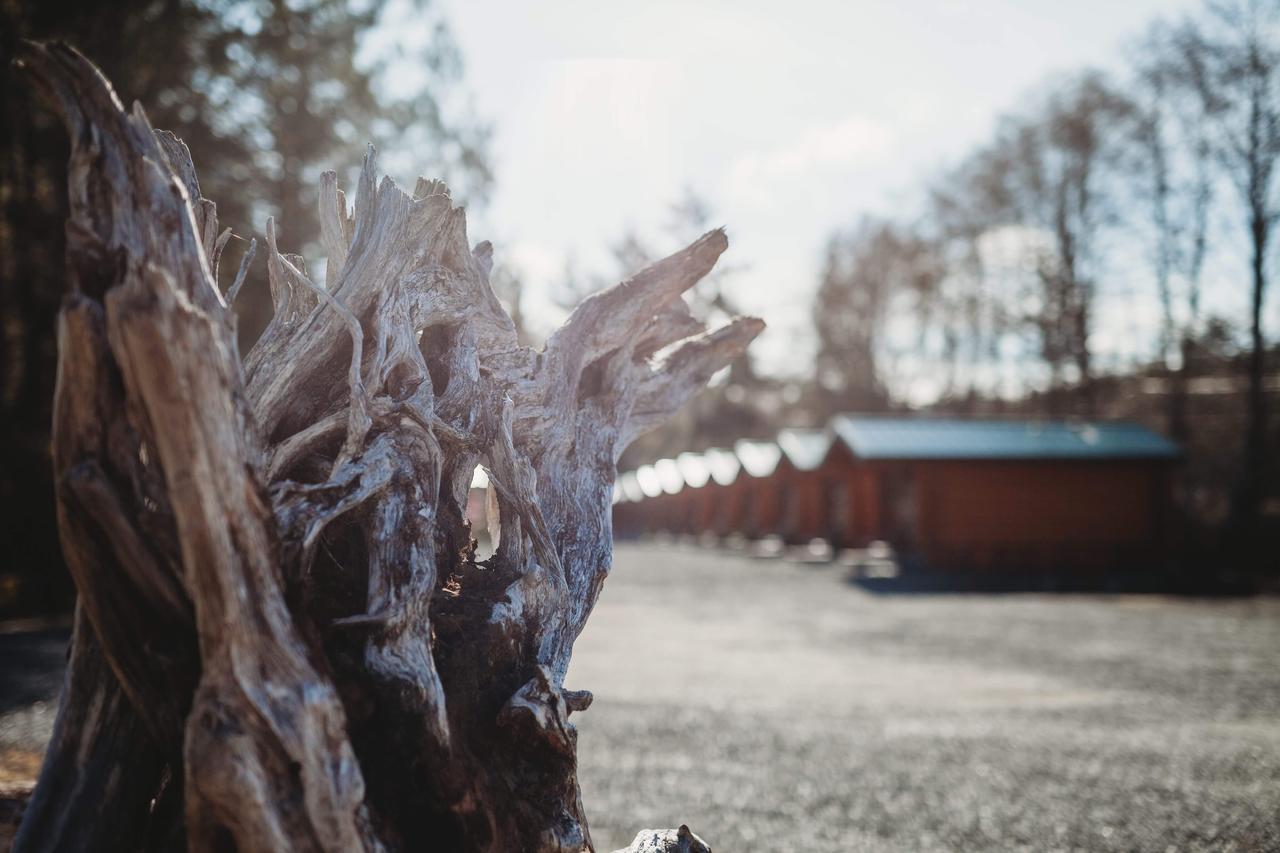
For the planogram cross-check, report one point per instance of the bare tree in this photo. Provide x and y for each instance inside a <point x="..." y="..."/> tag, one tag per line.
<point x="874" y="272"/>
<point x="1172" y="168"/>
<point x="1054" y="164"/>
<point x="1232" y="57"/>
<point x="976" y="303"/>
<point x="283" y="639"/>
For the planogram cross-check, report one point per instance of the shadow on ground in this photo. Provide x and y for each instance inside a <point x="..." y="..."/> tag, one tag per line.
<point x="31" y="666"/>
<point x="914" y="581"/>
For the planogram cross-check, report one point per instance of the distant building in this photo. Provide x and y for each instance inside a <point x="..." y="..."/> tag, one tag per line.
<point x="694" y="506"/>
<point x="990" y="494"/>
<point x="721" y="503"/>
<point x="956" y="493"/>
<point x="801" y="484"/>
<point x="762" y="498"/>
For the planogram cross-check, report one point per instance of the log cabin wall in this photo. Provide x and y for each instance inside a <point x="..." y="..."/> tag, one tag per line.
<point x="854" y="492"/>
<point x="706" y="507"/>
<point x="1042" y="514"/>
<point x="804" y="506"/>
<point x="975" y="494"/>
<point x="764" y="507"/>
<point x="731" y="514"/>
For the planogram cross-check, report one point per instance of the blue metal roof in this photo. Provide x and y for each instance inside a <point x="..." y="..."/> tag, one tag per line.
<point x="878" y="437"/>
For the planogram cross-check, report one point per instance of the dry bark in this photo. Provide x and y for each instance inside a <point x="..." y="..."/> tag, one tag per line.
<point x="284" y="638"/>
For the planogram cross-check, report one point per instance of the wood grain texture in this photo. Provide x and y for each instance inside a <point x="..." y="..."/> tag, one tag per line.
<point x="281" y="603"/>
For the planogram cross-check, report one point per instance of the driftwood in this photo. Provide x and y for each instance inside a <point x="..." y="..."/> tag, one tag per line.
<point x="284" y="640"/>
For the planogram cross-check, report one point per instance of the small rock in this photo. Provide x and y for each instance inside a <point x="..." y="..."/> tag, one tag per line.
<point x="667" y="841"/>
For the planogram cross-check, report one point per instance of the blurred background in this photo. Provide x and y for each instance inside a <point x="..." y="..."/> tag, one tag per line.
<point x="989" y="237"/>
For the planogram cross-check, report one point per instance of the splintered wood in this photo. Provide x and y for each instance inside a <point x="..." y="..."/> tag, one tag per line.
<point x="284" y="639"/>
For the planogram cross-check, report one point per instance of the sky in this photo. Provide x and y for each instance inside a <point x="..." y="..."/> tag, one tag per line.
<point x="791" y="119"/>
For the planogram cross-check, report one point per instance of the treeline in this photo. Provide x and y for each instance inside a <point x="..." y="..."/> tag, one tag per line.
<point x="1118" y="193"/>
<point x="1020" y="243"/>
<point x="1144" y="192"/>
<point x="267" y="94"/>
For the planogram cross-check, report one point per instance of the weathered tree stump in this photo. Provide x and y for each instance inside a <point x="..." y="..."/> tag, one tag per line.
<point x="284" y="640"/>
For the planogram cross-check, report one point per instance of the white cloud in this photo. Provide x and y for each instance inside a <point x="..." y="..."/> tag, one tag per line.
<point x="604" y="112"/>
<point x="854" y="142"/>
<point x="534" y="259"/>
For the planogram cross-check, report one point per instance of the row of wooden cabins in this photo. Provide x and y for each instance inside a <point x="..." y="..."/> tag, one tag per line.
<point x="948" y="492"/>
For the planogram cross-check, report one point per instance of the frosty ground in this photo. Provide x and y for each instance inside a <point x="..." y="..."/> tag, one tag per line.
<point x="774" y="707"/>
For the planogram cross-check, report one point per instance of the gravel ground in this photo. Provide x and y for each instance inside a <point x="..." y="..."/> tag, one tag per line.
<point x="775" y="707"/>
<point x="31" y="667"/>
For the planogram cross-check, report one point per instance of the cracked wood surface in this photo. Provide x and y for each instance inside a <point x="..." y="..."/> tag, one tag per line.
<point x="284" y="639"/>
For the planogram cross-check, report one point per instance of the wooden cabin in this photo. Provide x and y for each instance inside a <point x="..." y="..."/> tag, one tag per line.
<point x="695" y="496"/>
<point x="801" y="484"/>
<point x="692" y="494"/>
<point x="628" y="506"/>
<point x="651" y="517"/>
<point x="761" y="513"/>
<point x="722" y="503"/>
<point x="953" y="493"/>
<point x="987" y="494"/>
<point x="671" y="499"/>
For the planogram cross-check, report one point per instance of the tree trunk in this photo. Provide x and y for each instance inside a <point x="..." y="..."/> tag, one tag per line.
<point x="284" y="638"/>
<point x="1254" y="475"/>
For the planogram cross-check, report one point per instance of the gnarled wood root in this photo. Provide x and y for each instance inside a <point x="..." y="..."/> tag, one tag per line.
<point x="285" y="640"/>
